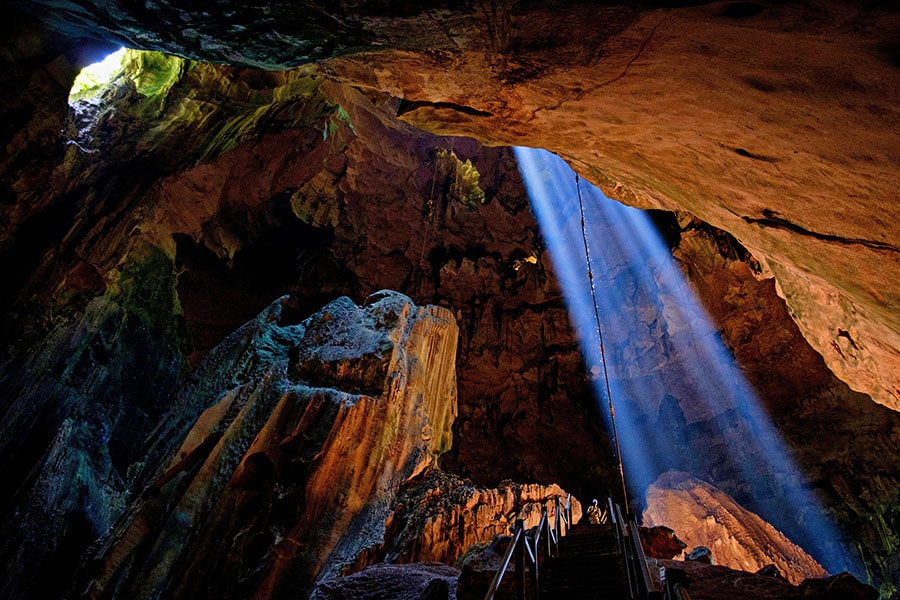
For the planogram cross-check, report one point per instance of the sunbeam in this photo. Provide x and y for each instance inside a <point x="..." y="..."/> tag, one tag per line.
<point x="670" y="374"/>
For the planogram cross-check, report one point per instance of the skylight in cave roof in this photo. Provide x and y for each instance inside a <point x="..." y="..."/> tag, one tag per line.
<point x="95" y="76"/>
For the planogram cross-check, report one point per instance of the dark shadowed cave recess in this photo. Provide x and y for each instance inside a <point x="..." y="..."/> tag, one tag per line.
<point x="217" y="297"/>
<point x="128" y="263"/>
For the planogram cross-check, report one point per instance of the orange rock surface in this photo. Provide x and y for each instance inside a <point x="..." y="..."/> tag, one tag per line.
<point x="701" y="515"/>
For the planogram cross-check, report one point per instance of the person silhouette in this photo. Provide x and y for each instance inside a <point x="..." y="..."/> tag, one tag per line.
<point x="594" y="514"/>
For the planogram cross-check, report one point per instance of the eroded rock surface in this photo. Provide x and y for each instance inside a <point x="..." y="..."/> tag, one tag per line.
<point x="737" y="538"/>
<point x="439" y="516"/>
<point x="392" y="582"/>
<point x="288" y="476"/>
<point x="708" y="582"/>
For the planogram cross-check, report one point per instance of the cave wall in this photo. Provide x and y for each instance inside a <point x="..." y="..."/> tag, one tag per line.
<point x="768" y="124"/>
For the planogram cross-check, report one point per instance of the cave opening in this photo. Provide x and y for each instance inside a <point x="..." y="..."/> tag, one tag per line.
<point x="649" y="316"/>
<point x="92" y="78"/>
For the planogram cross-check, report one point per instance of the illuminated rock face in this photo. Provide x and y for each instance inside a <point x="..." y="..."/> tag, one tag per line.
<point x="440" y="516"/>
<point x="291" y="473"/>
<point x="701" y="515"/>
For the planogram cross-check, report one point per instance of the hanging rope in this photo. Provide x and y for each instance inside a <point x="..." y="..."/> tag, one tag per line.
<point x="590" y="273"/>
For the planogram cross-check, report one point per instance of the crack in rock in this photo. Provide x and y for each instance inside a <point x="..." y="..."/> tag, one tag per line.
<point x="773" y="220"/>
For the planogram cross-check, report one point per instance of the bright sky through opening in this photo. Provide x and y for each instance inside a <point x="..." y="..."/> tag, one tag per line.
<point x="97" y="74"/>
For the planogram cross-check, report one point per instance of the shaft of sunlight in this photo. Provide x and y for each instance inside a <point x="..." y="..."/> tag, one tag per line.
<point x="670" y="374"/>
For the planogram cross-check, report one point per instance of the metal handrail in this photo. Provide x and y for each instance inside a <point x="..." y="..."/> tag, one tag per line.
<point x="523" y="547"/>
<point x="535" y="556"/>
<point x="648" y="585"/>
<point x="562" y="516"/>
<point x="527" y="550"/>
<point x="615" y="518"/>
<point x="518" y="534"/>
<point x="640" y="584"/>
<point x="622" y="535"/>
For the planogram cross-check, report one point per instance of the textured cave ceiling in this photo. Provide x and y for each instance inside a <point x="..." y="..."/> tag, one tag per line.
<point x="775" y="121"/>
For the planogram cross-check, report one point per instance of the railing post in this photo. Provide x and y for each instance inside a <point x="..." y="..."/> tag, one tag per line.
<point x="549" y="546"/>
<point x="520" y="560"/>
<point x="557" y="526"/>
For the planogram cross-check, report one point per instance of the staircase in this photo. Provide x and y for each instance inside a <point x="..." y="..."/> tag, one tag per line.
<point x="588" y="567"/>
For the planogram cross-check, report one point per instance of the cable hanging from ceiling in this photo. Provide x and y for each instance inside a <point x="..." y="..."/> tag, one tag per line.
<point x="590" y="274"/>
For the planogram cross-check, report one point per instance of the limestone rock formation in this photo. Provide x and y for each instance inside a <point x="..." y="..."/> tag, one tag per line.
<point x="661" y="542"/>
<point x="392" y="582"/>
<point x="87" y="395"/>
<point x="707" y="582"/>
<point x="739" y="539"/>
<point x="288" y="477"/>
<point x="439" y="517"/>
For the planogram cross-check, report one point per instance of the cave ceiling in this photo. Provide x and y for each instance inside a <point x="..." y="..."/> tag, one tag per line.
<point x="775" y="121"/>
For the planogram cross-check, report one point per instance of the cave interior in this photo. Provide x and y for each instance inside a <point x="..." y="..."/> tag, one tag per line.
<point x="294" y="292"/>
